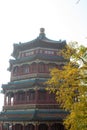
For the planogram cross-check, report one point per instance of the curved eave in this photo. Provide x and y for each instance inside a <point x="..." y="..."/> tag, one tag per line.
<point x="23" y="83"/>
<point x="38" y="42"/>
<point x="19" y="46"/>
<point x="39" y="57"/>
<point x="33" y="115"/>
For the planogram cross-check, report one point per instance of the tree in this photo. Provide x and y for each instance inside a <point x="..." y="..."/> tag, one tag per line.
<point x="70" y="86"/>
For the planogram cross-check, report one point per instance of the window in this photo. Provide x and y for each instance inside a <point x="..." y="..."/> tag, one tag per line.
<point x="42" y="95"/>
<point x="41" y="51"/>
<point x="46" y="52"/>
<point x="21" y="96"/>
<point x="51" y="96"/>
<point x="36" y="51"/>
<point x="22" y="54"/>
<point x="25" y="69"/>
<point x="41" y="67"/>
<point x="50" y="52"/>
<point x="47" y="68"/>
<point x="15" y="70"/>
<point x="34" y="67"/>
<point x="31" y="95"/>
<point x="29" y="53"/>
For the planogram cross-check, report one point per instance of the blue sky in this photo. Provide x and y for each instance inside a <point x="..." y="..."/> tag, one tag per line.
<point x="20" y="21"/>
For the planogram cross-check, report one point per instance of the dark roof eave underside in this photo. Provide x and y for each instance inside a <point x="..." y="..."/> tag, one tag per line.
<point x="33" y="115"/>
<point x="21" y="83"/>
<point x="40" y="57"/>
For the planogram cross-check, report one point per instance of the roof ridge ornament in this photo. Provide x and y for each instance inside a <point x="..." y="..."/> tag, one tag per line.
<point x="42" y="30"/>
<point x="42" y="34"/>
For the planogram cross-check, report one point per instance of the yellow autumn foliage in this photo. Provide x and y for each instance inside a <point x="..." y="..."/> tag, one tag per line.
<point x="70" y="86"/>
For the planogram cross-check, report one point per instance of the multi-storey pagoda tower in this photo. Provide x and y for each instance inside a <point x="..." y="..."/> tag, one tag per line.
<point x="27" y="104"/>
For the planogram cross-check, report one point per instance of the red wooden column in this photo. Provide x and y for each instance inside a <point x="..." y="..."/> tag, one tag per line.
<point x="9" y="99"/>
<point x="49" y="126"/>
<point x="5" y="100"/>
<point x="1" y="126"/>
<point x="24" y="127"/>
<point x="46" y="68"/>
<point x="36" y="95"/>
<point x="26" y="97"/>
<point x="37" y="67"/>
<point x="13" y="127"/>
<point x="14" y="100"/>
<point x="47" y="97"/>
<point x="36" y="126"/>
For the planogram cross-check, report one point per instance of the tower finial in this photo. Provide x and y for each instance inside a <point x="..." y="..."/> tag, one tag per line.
<point x="42" y="30"/>
<point x="42" y="34"/>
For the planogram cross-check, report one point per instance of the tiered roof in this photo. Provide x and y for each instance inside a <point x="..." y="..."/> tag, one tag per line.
<point x="40" y="41"/>
<point x="27" y="83"/>
<point x="34" y="115"/>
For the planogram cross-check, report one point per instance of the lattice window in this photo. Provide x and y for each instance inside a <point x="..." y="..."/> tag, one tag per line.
<point x="34" y="67"/>
<point x="41" y="67"/>
<point x="31" y="95"/>
<point x="15" y="70"/>
<point x="25" y="69"/>
<point x="42" y="95"/>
